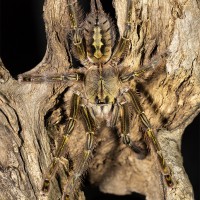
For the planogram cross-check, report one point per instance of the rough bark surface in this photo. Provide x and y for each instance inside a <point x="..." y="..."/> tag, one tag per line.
<point x="159" y="26"/>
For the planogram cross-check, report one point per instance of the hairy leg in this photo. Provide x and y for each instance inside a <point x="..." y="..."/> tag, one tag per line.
<point x="62" y="146"/>
<point x="123" y="111"/>
<point x="57" y="78"/>
<point x="77" y="35"/>
<point x="125" y="132"/>
<point x="166" y="171"/>
<point x="124" y="41"/>
<point x="71" y="190"/>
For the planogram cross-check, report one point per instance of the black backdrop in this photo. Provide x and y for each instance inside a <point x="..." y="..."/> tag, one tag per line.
<point x="22" y="45"/>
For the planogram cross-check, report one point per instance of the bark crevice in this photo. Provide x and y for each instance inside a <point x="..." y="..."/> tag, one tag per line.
<point x="170" y="98"/>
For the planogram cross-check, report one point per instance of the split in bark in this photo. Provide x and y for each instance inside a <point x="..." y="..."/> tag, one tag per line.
<point x="26" y="146"/>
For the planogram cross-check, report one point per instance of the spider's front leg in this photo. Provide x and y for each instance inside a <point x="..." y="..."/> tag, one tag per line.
<point x="124" y="41"/>
<point x="83" y="162"/>
<point x="166" y="171"/>
<point x="90" y="131"/>
<point x="62" y="146"/>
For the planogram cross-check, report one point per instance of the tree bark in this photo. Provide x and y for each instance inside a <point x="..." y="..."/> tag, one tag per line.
<point x="26" y="147"/>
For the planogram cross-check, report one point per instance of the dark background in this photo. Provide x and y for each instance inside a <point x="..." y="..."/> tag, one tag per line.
<point x="22" y="45"/>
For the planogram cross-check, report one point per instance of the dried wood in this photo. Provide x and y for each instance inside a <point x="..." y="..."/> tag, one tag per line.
<point x="26" y="147"/>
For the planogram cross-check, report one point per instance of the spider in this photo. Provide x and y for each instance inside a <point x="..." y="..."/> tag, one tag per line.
<point x="101" y="89"/>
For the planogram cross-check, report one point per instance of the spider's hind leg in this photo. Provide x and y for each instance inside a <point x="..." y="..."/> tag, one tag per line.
<point x="124" y="41"/>
<point x="77" y="37"/>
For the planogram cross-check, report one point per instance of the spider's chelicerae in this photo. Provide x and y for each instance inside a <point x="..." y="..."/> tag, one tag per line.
<point x="101" y="89"/>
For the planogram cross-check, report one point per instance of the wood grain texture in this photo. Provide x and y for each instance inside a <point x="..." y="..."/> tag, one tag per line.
<point x="25" y="145"/>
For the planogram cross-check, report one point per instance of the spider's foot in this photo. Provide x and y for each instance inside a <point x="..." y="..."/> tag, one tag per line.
<point x="46" y="186"/>
<point x="167" y="174"/>
<point x="169" y="180"/>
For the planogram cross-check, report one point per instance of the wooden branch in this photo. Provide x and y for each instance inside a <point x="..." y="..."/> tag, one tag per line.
<point x="26" y="147"/>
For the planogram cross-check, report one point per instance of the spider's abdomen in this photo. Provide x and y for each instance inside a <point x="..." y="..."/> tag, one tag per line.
<point x="102" y="84"/>
<point x="98" y="34"/>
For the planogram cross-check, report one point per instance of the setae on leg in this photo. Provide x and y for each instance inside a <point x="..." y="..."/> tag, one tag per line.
<point x="62" y="146"/>
<point x="77" y="34"/>
<point x="72" y="188"/>
<point x="166" y="171"/>
<point x="124" y="41"/>
<point x="125" y="132"/>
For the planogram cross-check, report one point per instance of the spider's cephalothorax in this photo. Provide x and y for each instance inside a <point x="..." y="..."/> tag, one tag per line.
<point x="101" y="89"/>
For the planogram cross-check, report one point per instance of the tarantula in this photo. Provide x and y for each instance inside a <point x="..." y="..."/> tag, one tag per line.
<point x="101" y="89"/>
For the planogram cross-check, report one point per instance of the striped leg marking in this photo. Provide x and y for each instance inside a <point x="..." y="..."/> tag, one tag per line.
<point x="166" y="171"/>
<point x="124" y="41"/>
<point x="125" y="131"/>
<point x="62" y="146"/>
<point x="77" y="36"/>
